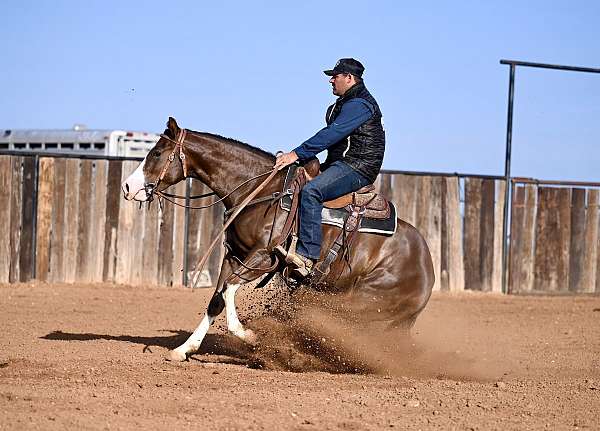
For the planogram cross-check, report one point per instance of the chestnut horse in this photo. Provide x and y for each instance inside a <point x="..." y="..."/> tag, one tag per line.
<point x="391" y="274"/>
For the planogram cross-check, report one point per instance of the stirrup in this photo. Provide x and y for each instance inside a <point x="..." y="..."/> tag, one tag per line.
<point x="300" y="265"/>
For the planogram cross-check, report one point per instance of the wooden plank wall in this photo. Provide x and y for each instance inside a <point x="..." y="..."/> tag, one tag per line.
<point x="111" y="223"/>
<point x="521" y="255"/>
<point x="178" y="240"/>
<point x="26" y="259"/>
<point x="483" y="215"/>
<point x="591" y="279"/>
<point x="452" y="237"/>
<point x="99" y="211"/>
<point x="551" y="241"/>
<point x="15" y="218"/>
<point x="6" y="184"/>
<point x="483" y="209"/>
<point x="44" y="218"/>
<point x="57" y="207"/>
<point x="554" y="240"/>
<point x="465" y="255"/>
<point x="204" y="225"/>
<point x="85" y="232"/>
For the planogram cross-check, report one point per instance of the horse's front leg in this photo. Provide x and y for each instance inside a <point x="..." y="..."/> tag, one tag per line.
<point x="215" y="307"/>
<point x="234" y="326"/>
<point x="224" y="297"/>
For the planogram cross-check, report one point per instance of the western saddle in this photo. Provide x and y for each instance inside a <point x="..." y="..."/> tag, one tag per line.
<point x="373" y="204"/>
<point x="365" y="202"/>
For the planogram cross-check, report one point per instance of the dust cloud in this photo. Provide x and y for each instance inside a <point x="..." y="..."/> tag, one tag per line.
<point x="307" y="331"/>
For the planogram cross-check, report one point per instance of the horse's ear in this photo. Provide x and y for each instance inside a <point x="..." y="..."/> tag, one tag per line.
<point x="173" y="127"/>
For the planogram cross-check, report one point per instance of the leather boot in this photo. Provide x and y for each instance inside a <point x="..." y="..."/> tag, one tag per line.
<point x="300" y="265"/>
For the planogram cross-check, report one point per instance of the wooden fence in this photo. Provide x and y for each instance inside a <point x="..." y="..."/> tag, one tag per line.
<point x="85" y="231"/>
<point x="64" y="220"/>
<point x="554" y="240"/>
<point x="464" y="235"/>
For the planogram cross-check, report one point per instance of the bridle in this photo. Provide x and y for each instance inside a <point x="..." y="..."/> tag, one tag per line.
<point x="151" y="188"/>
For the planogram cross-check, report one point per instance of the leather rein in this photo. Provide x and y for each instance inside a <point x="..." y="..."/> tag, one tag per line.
<point x="230" y="214"/>
<point x="151" y="188"/>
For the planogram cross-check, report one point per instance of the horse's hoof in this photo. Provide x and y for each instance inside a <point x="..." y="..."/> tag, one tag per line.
<point x="176" y="356"/>
<point x="250" y="337"/>
<point x="246" y="335"/>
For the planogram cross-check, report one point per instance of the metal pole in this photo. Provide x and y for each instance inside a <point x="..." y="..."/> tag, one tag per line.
<point x="507" y="194"/>
<point x="550" y="66"/>
<point x="186" y="230"/>
<point x="511" y="93"/>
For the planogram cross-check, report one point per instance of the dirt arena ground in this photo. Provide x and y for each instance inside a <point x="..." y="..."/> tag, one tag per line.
<point x="92" y="357"/>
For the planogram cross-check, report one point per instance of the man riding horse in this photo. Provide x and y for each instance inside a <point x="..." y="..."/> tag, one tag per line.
<point x="355" y="143"/>
<point x="388" y="277"/>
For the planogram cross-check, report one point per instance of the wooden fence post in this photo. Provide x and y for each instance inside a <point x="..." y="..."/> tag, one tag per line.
<point x="16" y="206"/>
<point x="44" y="217"/>
<point x="5" y="216"/>
<point x="591" y="243"/>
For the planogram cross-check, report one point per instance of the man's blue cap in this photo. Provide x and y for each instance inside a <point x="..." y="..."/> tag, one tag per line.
<point x="346" y="65"/>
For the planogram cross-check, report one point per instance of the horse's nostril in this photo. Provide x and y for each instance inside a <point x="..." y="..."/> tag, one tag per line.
<point x="127" y="187"/>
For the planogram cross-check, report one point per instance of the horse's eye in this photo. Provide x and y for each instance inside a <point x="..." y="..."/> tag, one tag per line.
<point x="156" y="154"/>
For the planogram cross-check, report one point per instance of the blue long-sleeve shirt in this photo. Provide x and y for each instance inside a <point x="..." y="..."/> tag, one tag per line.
<point x="353" y="113"/>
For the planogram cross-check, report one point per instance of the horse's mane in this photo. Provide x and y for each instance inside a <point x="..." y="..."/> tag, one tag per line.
<point x="253" y="149"/>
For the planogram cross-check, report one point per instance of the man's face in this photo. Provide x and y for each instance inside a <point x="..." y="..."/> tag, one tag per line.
<point x="341" y="83"/>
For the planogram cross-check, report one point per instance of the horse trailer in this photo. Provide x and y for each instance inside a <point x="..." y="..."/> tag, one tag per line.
<point x="79" y="140"/>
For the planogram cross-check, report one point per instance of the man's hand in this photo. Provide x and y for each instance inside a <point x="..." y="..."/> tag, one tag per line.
<point x="285" y="159"/>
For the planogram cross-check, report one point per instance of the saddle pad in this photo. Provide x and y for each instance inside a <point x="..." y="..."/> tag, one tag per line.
<point x="337" y="217"/>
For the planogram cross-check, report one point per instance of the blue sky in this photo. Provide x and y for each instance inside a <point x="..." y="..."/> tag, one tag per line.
<point x="253" y="71"/>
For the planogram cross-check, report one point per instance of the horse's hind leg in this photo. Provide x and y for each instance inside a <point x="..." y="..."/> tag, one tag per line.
<point x="396" y="294"/>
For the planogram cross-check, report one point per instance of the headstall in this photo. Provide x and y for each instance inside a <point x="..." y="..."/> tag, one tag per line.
<point x="150" y="188"/>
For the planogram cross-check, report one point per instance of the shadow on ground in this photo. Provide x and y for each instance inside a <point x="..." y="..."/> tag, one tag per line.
<point x="213" y="344"/>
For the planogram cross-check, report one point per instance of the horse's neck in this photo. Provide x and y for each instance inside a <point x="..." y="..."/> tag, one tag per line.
<point x="223" y="165"/>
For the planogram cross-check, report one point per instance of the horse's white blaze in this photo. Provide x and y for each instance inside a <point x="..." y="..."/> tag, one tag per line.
<point x="192" y="344"/>
<point x="133" y="187"/>
<point x="233" y="322"/>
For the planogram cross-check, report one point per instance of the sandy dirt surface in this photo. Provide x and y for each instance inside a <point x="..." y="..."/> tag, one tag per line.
<point x="92" y="357"/>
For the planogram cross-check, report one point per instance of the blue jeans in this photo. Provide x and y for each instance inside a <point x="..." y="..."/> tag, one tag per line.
<point x="337" y="180"/>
